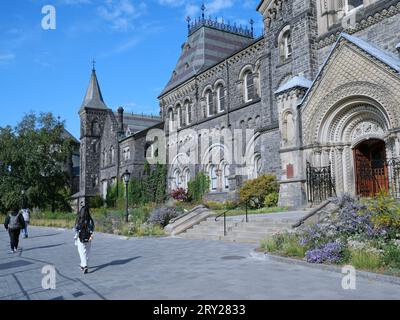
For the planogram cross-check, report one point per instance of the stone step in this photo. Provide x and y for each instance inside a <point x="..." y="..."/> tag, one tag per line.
<point x="200" y="236"/>
<point x="256" y="228"/>
<point x="210" y="232"/>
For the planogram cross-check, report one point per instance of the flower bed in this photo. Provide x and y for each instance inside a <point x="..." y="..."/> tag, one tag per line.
<point x="363" y="234"/>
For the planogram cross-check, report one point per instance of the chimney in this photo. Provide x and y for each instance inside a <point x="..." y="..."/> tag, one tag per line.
<point x="121" y="120"/>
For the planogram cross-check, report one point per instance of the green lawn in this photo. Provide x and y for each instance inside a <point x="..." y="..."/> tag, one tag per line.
<point x="242" y="211"/>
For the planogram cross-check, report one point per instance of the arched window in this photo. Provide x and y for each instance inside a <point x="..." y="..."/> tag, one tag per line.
<point x="225" y="176"/>
<point x="209" y="103"/>
<point x="221" y="98"/>
<point x="105" y="158"/>
<point x="112" y="152"/>
<point x="213" y="177"/>
<point x="177" y="179"/>
<point x="188" y="108"/>
<point x="288" y="129"/>
<point x="249" y="88"/>
<point x="127" y="153"/>
<point x="256" y="169"/>
<point x="171" y="119"/>
<point x="285" y="44"/>
<point x="185" y="178"/>
<point x="95" y="128"/>
<point x="180" y="116"/>
<point x="353" y="4"/>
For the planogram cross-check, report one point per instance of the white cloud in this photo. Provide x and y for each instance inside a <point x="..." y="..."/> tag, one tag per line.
<point x="121" y="13"/>
<point x="216" y="6"/>
<point x="75" y="2"/>
<point x="6" y="58"/>
<point x="191" y="9"/>
<point x="172" y="3"/>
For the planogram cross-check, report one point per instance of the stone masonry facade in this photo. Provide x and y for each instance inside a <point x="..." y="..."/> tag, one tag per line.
<point x="320" y="66"/>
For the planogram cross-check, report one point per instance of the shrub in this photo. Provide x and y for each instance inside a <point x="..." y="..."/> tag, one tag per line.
<point x="331" y="252"/>
<point x="112" y="195"/>
<point x="96" y="202"/>
<point x="180" y="194"/>
<point x="135" y="192"/>
<point x="162" y="216"/>
<point x="230" y="205"/>
<point x="256" y="190"/>
<point x="271" y="200"/>
<point x="198" y="187"/>
<point x="368" y="260"/>
<point x="385" y="213"/>
<point x="391" y="255"/>
<point x="214" y="205"/>
<point x="352" y="219"/>
<point x="284" y="243"/>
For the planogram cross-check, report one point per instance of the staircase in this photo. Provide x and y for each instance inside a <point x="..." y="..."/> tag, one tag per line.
<point x="258" y="228"/>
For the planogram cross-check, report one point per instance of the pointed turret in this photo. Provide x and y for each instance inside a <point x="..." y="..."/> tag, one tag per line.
<point x="93" y="98"/>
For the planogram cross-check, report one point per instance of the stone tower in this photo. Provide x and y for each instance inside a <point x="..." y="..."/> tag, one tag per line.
<point x="93" y="114"/>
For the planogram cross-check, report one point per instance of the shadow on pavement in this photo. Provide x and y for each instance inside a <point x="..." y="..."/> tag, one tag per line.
<point x="44" y="247"/>
<point x="44" y="235"/>
<point x="113" y="263"/>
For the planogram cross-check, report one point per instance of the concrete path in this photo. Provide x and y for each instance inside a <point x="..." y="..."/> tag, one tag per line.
<point x="165" y="268"/>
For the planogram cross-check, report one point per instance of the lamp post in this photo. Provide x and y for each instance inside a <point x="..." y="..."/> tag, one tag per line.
<point x="126" y="177"/>
<point x="23" y="198"/>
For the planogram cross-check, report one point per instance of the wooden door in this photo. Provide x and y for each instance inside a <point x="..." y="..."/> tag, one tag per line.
<point x="371" y="168"/>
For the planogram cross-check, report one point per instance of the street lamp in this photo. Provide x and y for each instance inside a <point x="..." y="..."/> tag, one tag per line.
<point x="23" y="198"/>
<point x="126" y="177"/>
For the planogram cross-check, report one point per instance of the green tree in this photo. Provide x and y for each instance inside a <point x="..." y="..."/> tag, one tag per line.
<point x="198" y="187"/>
<point x="32" y="159"/>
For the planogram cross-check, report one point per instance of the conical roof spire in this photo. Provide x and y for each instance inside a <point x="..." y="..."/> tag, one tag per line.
<point x="93" y="97"/>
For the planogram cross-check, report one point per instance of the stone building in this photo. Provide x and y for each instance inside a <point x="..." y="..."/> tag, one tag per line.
<point x="111" y="142"/>
<point x="319" y="93"/>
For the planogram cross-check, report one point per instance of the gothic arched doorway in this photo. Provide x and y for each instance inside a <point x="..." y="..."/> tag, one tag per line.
<point x="371" y="168"/>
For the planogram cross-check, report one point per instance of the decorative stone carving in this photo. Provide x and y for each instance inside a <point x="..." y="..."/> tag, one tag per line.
<point x="366" y="129"/>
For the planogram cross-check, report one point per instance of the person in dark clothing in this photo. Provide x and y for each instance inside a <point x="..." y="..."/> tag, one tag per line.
<point x="14" y="223"/>
<point x="84" y="228"/>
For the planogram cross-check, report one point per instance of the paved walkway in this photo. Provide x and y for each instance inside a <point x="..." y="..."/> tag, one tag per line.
<point x="165" y="268"/>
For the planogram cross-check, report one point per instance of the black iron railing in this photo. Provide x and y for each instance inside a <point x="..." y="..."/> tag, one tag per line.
<point x="246" y="203"/>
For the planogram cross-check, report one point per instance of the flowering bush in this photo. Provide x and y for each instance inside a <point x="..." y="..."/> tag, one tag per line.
<point x="352" y="219"/>
<point x="385" y="213"/>
<point x="256" y="190"/>
<point x="180" y="194"/>
<point x="162" y="216"/>
<point x="331" y="252"/>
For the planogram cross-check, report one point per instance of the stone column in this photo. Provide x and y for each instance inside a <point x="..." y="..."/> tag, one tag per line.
<point x="339" y="169"/>
<point x="318" y="157"/>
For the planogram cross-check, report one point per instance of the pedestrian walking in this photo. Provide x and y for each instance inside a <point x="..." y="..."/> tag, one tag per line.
<point x="84" y="228"/>
<point x="14" y="223"/>
<point x="26" y="215"/>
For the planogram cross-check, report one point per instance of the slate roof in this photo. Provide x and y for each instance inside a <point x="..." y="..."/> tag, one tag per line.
<point x="295" y="82"/>
<point x="205" y="48"/>
<point x="386" y="57"/>
<point x="93" y="98"/>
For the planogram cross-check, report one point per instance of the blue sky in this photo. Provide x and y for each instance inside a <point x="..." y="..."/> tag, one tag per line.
<point x="136" y="45"/>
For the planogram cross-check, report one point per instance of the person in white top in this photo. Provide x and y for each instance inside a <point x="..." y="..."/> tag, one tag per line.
<point x="26" y="214"/>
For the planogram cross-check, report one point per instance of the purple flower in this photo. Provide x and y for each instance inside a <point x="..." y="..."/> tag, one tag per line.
<point x="331" y="253"/>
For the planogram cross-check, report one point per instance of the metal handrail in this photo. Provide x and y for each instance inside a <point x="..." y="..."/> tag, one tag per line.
<point x="235" y="207"/>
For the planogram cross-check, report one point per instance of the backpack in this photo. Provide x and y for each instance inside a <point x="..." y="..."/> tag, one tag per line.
<point x="84" y="232"/>
<point x="14" y="222"/>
